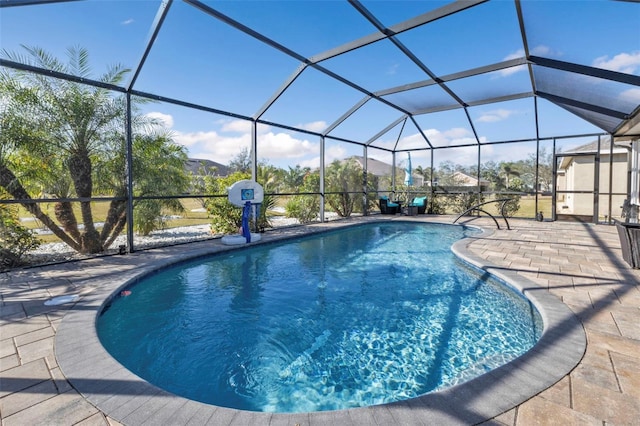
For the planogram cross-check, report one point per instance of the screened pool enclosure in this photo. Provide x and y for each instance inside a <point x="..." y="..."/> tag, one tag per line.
<point x="123" y="118"/>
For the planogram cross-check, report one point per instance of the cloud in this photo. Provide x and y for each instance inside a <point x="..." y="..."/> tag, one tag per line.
<point x="415" y="140"/>
<point x="234" y="136"/>
<point x="210" y="139"/>
<point x="212" y="145"/>
<point x="536" y="51"/>
<point x="515" y="55"/>
<point x="628" y="63"/>
<point x="632" y="96"/>
<point x="244" y="126"/>
<point x="508" y="71"/>
<point x="127" y="22"/>
<point x="543" y="51"/>
<point x="284" y="146"/>
<point x="453" y="136"/>
<point x="235" y="126"/>
<point x="495" y="115"/>
<point x="165" y="119"/>
<point x="393" y="69"/>
<point x="512" y="70"/>
<point x="332" y="153"/>
<point x="314" y="126"/>
<point x="438" y="138"/>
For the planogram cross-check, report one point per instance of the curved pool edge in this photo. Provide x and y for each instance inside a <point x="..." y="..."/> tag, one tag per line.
<point x="127" y="398"/>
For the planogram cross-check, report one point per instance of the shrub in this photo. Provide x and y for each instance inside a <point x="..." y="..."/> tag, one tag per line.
<point x="512" y="206"/>
<point x="147" y="217"/>
<point x="464" y="201"/>
<point x="15" y="239"/>
<point x="268" y="203"/>
<point x="225" y="217"/>
<point x="305" y="208"/>
<point x="436" y="204"/>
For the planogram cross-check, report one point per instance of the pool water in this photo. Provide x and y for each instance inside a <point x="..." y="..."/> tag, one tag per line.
<point x="362" y="316"/>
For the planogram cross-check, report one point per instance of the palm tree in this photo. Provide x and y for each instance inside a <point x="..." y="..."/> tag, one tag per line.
<point x="342" y="178"/>
<point x="294" y="177"/>
<point x="508" y="171"/>
<point x="67" y="140"/>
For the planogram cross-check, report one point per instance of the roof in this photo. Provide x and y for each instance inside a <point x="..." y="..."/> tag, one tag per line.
<point x="376" y="167"/>
<point x="592" y="147"/>
<point x="393" y="69"/>
<point x="380" y="168"/>
<point x="467" y="180"/>
<point x="195" y="165"/>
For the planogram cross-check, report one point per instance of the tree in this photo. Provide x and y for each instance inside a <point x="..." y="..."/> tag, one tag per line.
<point x="198" y="180"/>
<point x="158" y="168"/>
<point x="342" y="178"/>
<point x="268" y="177"/>
<point x="241" y="162"/>
<point x="490" y="171"/>
<point x="545" y="169"/>
<point x="425" y="172"/>
<point x="508" y="170"/>
<point x="66" y="140"/>
<point x="305" y="207"/>
<point x="294" y="177"/>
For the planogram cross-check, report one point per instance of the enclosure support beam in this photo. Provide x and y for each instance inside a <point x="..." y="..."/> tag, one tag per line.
<point x="536" y="184"/>
<point x="596" y="183"/>
<point x="365" y="186"/>
<point x="129" y="166"/>
<point x="254" y="149"/>
<point x="554" y="175"/>
<point x="322" y="163"/>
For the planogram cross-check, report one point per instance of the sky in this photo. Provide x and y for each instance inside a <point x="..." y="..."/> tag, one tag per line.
<point x="199" y="59"/>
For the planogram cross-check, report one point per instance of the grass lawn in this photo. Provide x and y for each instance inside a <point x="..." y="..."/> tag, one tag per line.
<point x="100" y="209"/>
<point x="527" y="206"/>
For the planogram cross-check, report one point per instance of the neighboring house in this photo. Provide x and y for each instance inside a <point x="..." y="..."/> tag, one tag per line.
<point x="195" y="167"/>
<point x="462" y="179"/>
<point x="198" y="168"/>
<point x="383" y="170"/>
<point x="575" y="179"/>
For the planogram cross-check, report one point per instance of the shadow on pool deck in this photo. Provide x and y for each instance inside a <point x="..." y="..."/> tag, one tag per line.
<point x="578" y="263"/>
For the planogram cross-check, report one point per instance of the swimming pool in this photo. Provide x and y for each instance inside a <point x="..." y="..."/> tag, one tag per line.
<point x="368" y="315"/>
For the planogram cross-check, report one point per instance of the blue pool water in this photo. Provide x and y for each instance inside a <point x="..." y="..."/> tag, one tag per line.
<point x="362" y="316"/>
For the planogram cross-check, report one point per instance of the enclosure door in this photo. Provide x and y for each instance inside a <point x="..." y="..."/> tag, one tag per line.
<point x="576" y="187"/>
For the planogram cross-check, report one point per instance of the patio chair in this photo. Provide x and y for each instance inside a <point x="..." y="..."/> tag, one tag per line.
<point x="420" y="203"/>
<point x="387" y="206"/>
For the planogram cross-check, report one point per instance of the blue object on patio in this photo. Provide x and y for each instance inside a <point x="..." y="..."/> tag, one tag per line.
<point x="420" y="203"/>
<point x="387" y="206"/>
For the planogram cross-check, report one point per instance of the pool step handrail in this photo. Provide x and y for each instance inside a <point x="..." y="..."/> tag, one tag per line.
<point x="478" y="208"/>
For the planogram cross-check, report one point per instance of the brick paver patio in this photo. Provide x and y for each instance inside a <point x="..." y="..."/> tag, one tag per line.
<point x="581" y="264"/>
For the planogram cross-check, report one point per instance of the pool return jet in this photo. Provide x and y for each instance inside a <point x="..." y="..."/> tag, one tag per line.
<point x="248" y="195"/>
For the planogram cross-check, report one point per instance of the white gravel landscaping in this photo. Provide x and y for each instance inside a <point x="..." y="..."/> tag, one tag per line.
<point x="58" y="252"/>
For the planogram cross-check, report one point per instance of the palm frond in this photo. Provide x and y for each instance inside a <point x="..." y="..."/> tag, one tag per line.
<point x="115" y="74"/>
<point x="79" y="61"/>
<point x="44" y="59"/>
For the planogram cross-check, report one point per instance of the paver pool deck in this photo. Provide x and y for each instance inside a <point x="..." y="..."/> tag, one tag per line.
<point x="579" y="266"/>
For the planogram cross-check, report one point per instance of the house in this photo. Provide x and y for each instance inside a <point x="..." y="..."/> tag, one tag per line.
<point x="462" y="179"/>
<point x="383" y="170"/>
<point x="199" y="167"/>
<point x="576" y="179"/>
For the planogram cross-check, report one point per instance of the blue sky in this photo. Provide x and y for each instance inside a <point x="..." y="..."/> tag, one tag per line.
<point x="198" y="59"/>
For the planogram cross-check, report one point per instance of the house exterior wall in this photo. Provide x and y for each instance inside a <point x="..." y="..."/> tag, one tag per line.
<point x="579" y="175"/>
